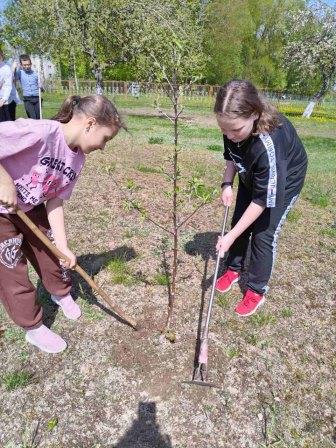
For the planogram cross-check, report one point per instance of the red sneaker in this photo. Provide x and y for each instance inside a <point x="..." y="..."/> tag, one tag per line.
<point x="250" y="303"/>
<point x="225" y="282"/>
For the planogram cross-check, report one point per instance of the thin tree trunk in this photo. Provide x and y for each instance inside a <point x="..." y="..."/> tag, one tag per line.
<point x="309" y="109"/>
<point x="175" y="96"/>
<point x="98" y="73"/>
<point x="316" y="98"/>
<point x="75" y="71"/>
<point x="42" y="80"/>
<point x="96" y="67"/>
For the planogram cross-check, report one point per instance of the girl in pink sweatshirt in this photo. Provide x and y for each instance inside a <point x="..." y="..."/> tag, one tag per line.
<point x="40" y="162"/>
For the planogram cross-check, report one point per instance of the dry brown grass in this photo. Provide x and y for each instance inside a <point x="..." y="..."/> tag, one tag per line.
<point x="114" y="387"/>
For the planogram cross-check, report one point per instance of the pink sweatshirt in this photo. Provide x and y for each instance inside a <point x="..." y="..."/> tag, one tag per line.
<point x="41" y="164"/>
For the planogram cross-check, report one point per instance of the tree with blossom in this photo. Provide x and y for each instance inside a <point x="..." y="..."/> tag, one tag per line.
<point x="311" y="48"/>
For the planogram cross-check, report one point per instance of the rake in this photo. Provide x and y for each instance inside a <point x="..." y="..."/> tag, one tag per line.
<point x="199" y="377"/>
<point x="29" y="223"/>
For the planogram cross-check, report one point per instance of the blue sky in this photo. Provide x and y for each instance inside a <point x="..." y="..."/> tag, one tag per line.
<point x="3" y="3"/>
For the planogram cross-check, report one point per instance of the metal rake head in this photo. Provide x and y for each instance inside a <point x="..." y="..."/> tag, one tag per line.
<point x="200" y="376"/>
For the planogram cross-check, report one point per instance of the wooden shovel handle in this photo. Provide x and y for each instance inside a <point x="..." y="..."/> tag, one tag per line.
<point x="77" y="268"/>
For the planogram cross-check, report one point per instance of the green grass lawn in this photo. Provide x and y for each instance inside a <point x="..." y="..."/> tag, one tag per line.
<point x="318" y="133"/>
<point x="201" y="104"/>
<point x="320" y="186"/>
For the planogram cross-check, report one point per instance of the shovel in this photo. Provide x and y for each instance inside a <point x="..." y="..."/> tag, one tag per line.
<point x="77" y="268"/>
<point x="201" y="370"/>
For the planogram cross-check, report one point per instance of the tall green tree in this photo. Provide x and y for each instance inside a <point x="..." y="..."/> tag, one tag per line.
<point x="311" y="49"/>
<point x="227" y="25"/>
<point x="246" y="39"/>
<point x="263" y="48"/>
<point x="171" y="41"/>
<point x="105" y="31"/>
<point x="31" y="26"/>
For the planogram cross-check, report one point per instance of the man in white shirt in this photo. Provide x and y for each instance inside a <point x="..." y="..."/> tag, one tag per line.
<point x="8" y="92"/>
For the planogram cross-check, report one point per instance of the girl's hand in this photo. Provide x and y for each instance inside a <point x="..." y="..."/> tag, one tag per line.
<point x="8" y="197"/>
<point x="72" y="258"/>
<point x="227" y="195"/>
<point x="224" y="243"/>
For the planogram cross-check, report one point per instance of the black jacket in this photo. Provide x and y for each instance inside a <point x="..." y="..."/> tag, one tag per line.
<point x="271" y="166"/>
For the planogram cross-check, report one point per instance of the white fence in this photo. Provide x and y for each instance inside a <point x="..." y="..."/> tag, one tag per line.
<point x="127" y="88"/>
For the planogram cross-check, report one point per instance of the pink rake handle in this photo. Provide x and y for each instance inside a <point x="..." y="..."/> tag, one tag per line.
<point x="203" y="353"/>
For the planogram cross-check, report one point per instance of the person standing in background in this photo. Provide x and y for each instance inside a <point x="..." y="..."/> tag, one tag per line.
<point x="8" y="93"/>
<point x="29" y="81"/>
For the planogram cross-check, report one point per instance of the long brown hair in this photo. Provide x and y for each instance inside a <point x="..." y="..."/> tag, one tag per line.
<point x="241" y="99"/>
<point x="97" y="106"/>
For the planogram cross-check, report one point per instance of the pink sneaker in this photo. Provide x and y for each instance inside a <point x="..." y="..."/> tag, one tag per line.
<point x="69" y="307"/>
<point x="225" y="282"/>
<point x="46" y="340"/>
<point x="250" y="303"/>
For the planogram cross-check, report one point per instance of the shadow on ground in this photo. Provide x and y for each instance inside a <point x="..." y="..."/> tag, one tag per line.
<point x="204" y="245"/>
<point x="145" y="432"/>
<point x="92" y="264"/>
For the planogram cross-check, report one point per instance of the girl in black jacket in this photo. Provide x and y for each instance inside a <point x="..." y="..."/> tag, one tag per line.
<point x="264" y="149"/>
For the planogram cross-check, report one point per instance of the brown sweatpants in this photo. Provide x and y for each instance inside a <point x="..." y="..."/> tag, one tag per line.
<point x="17" y="244"/>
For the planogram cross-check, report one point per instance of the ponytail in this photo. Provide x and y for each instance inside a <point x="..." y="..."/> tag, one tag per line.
<point x="66" y="111"/>
<point x="97" y="106"/>
<point x="269" y="118"/>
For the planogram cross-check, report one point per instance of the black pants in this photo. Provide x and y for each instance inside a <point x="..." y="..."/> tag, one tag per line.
<point x="264" y="233"/>
<point x="32" y="106"/>
<point x="7" y="112"/>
